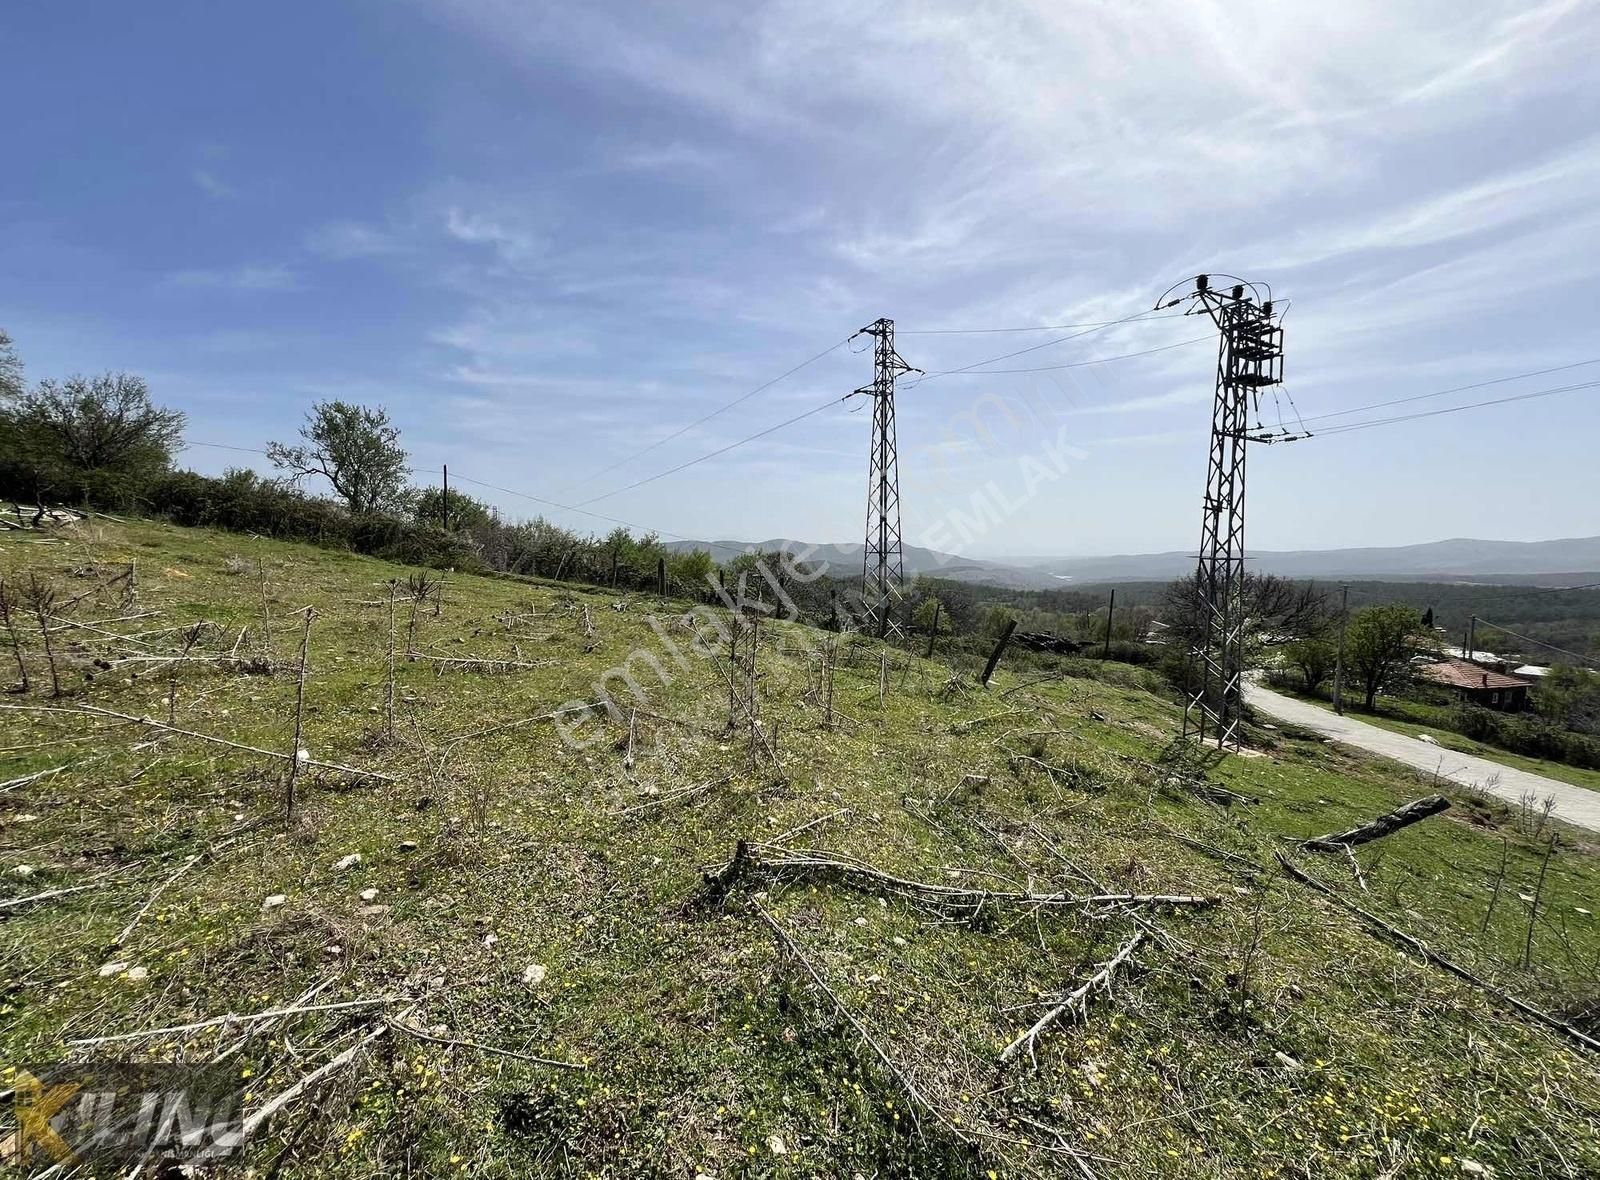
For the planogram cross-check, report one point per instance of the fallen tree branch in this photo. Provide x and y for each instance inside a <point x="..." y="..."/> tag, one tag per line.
<point x="763" y="862"/>
<point x="1419" y="948"/>
<point x="1384" y="825"/>
<point x="1075" y="1001"/>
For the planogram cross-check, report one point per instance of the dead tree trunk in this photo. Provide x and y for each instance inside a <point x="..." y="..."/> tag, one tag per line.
<point x="1384" y="825"/>
<point x="999" y="650"/>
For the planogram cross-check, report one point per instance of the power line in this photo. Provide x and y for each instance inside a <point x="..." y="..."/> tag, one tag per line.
<point x="1032" y="328"/>
<point x="639" y="483"/>
<point x="1539" y="642"/>
<point x="706" y="418"/>
<point x="1458" y="389"/>
<point x="1102" y="360"/>
<point x="1345" y="428"/>
<point x="1005" y="356"/>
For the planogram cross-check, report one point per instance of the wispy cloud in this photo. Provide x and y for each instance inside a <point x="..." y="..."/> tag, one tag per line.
<point x="209" y="183"/>
<point x="272" y="277"/>
<point x="352" y="239"/>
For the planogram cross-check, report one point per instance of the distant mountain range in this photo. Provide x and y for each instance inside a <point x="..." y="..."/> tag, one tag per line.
<point x="1457" y="560"/>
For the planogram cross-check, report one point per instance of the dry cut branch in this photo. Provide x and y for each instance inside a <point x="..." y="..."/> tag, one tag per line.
<point x="760" y="862"/>
<point x="1075" y="1001"/>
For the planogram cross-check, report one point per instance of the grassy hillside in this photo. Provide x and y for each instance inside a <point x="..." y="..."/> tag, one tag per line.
<point x="537" y="899"/>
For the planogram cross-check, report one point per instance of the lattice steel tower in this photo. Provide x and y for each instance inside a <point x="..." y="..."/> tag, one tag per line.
<point x="1249" y="359"/>
<point x="883" y="564"/>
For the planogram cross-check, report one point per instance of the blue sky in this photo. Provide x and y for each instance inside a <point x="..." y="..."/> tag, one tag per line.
<point x="547" y="236"/>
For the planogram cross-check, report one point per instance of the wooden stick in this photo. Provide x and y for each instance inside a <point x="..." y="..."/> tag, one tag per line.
<point x="1417" y="947"/>
<point x="1075" y="1001"/>
<point x="159" y="890"/>
<point x="230" y="1018"/>
<point x="1384" y="825"/>
<point x="13" y="903"/>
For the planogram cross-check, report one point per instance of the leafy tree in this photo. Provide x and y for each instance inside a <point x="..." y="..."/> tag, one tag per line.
<point x="691" y="572"/>
<point x="930" y="612"/>
<point x="466" y="512"/>
<point x="1379" y="645"/>
<point x="87" y="433"/>
<point x="995" y="620"/>
<point x="1569" y="697"/>
<point x="11" y="385"/>
<point x="356" y="449"/>
<point x="1313" y="658"/>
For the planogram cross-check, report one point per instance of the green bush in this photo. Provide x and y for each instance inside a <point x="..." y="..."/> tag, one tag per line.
<point x="1527" y="735"/>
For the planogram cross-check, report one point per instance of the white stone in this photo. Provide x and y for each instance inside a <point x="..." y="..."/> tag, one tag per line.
<point x="533" y="974"/>
<point x="776" y="1144"/>
<point x="302" y="755"/>
<point x="274" y="901"/>
<point x="109" y="969"/>
<point x="490" y="939"/>
<point x="369" y="895"/>
<point x="347" y="862"/>
<point x="136" y="974"/>
<point x="22" y="871"/>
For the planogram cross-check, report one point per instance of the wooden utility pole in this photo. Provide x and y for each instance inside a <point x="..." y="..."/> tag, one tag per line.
<point x="661" y="576"/>
<point x="1110" y="608"/>
<point x="1472" y="636"/>
<point x="1338" y="667"/>
<point x="444" y="498"/>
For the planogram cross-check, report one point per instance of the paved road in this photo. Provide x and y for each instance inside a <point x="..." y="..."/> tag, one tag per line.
<point x="1573" y="804"/>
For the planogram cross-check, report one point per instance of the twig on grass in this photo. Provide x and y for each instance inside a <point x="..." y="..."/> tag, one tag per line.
<point x="163" y="727"/>
<point x="151" y="900"/>
<point x="411" y="1031"/>
<point x="917" y="1097"/>
<point x="13" y="903"/>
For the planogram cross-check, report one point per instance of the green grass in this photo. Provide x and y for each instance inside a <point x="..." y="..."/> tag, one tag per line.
<point x="704" y="1048"/>
<point x="1414" y="718"/>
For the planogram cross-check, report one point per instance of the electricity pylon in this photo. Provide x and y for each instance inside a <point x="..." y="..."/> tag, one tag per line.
<point x="883" y="562"/>
<point x="1249" y="359"/>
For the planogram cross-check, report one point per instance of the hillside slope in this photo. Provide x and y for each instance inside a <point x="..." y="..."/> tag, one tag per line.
<point x="565" y="994"/>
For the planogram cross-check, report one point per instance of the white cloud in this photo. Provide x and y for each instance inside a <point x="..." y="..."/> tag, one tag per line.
<point x="352" y="239"/>
<point x="208" y="183"/>
<point x="273" y="277"/>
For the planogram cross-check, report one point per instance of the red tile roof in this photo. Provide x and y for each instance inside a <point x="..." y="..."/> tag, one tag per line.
<point x="1460" y="674"/>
